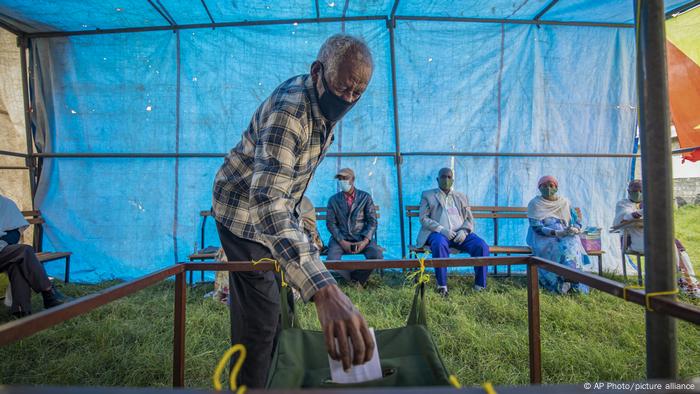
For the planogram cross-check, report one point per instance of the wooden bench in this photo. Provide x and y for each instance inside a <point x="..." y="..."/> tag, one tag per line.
<point x="479" y="212"/>
<point x="495" y="213"/>
<point x="34" y="218"/>
<point x="321" y="214"/>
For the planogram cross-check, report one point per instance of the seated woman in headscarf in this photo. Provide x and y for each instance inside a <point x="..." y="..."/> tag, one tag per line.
<point x="553" y="235"/>
<point x="628" y="213"/>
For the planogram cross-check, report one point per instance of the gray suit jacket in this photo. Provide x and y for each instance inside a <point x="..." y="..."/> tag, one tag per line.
<point x="432" y="205"/>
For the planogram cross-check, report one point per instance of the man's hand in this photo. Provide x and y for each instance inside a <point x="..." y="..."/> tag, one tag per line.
<point x="345" y="245"/>
<point x="339" y="320"/>
<point x="460" y="237"/>
<point x="449" y="234"/>
<point x="637" y="214"/>
<point x="360" y="246"/>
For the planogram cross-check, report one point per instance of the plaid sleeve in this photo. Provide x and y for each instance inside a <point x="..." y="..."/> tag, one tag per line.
<point x="277" y="146"/>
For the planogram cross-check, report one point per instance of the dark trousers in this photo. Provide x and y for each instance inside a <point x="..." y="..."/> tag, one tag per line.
<point x="254" y="299"/>
<point x="26" y="273"/>
<point x="473" y="244"/>
<point x="372" y="252"/>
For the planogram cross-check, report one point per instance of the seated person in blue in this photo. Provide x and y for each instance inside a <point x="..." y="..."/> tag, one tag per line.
<point x="553" y="235"/>
<point x="352" y="221"/>
<point x="447" y="222"/>
<point x="21" y="264"/>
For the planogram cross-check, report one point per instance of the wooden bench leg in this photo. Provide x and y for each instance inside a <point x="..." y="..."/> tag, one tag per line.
<point x="639" y="271"/>
<point x="600" y="265"/>
<point x="66" y="276"/>
<point x="624" y="265"/>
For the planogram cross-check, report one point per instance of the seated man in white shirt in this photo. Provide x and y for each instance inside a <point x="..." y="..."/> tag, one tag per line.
<point x="627" y="211"/>
<point x="21" y="264"/>
<point x="447" y="222"/>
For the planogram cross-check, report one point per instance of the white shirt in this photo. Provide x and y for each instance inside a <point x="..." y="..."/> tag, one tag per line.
<point x="451" y="214"/>
<point x="10" y="218"/>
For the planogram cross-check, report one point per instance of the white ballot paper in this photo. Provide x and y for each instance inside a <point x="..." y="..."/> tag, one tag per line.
<point x="370" y="370"/>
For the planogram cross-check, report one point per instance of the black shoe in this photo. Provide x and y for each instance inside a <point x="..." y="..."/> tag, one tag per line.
<point x="442" y="292"/>
<point x="52" y="297"/>
<point x="20" y="314"/>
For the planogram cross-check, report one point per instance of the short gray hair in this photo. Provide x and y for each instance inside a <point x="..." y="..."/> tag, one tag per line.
<point x="338" y="47"/>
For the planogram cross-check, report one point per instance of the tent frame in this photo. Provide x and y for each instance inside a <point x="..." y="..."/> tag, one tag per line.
<point x="654" y="131"/>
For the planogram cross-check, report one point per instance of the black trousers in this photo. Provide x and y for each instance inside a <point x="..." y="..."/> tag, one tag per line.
<point x="371" y="252"/>
<point x="254" y="299"/>
<point x="26" y="273"/>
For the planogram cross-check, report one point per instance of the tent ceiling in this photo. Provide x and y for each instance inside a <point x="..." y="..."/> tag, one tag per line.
<point x="41" y="16"/>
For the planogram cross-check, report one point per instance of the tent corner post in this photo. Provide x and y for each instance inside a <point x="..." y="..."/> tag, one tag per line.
<point x="655" y="136"/>
<point x="23" y="44"/>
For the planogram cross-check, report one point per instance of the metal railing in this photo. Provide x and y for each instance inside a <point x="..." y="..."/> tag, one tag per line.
<point x="665" y="305"/>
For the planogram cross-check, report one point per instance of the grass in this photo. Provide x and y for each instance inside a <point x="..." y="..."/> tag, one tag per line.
<point x="481" y="336"/>
<point x="687" y="223"/>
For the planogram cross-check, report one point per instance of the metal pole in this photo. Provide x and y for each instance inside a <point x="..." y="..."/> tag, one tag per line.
<point x="519" y="154"/>
<point x="206" y="26"/>
<point x="397" y="139"/>
<point x="13" y="168"/>
<point x="116" y="155"/>
<point x="533" y="324"/>
<point x="204" y="4"/>
<point x="179" y="331"/>
<point x="13" y="154"/>
<point x="511" y="21"/>
<point x="652" y="91"/>
<point x="176" y="197"/>
<point x="23" y="45"/>
<point x="684" y="8"/>
<point x="545" y="9"/>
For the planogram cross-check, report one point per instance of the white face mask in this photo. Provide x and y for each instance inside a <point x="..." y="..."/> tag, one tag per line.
<point x="344" y="185"/>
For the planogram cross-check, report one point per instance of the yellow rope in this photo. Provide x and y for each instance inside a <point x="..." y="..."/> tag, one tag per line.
<point x="277" y="267"/>
<point x="420" y="276"/>
<point x="488" y="387"/>
<point x="624" y="290"/>
<point x="455" y="382"/>
<point x="234" y="373"/>
<point x="648" y="296"/>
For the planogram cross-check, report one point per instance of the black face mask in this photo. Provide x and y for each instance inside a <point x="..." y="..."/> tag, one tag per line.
<point x="332" y="107"/>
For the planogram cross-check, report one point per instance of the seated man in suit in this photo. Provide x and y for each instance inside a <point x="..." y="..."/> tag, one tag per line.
<point x="352" y="221"/>
<point x="21" y="264"/>
<point x="447" y="222"/>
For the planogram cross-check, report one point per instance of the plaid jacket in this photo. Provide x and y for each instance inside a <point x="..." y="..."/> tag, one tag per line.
<point x="263" y="178"/>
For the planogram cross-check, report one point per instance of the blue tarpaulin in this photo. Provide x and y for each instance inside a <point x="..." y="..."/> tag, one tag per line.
<point x="482" y="79"/>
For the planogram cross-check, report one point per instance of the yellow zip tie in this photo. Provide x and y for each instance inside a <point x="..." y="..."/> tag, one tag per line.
<point x="453" y="380"/>
<point x="277" y="267"/>
<point x="624" y="290"/>
<point x="234" y="373"/>
<point x="647" y="296"/>
<point x="488" y="387"/>
<point x="422" y="277"/>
